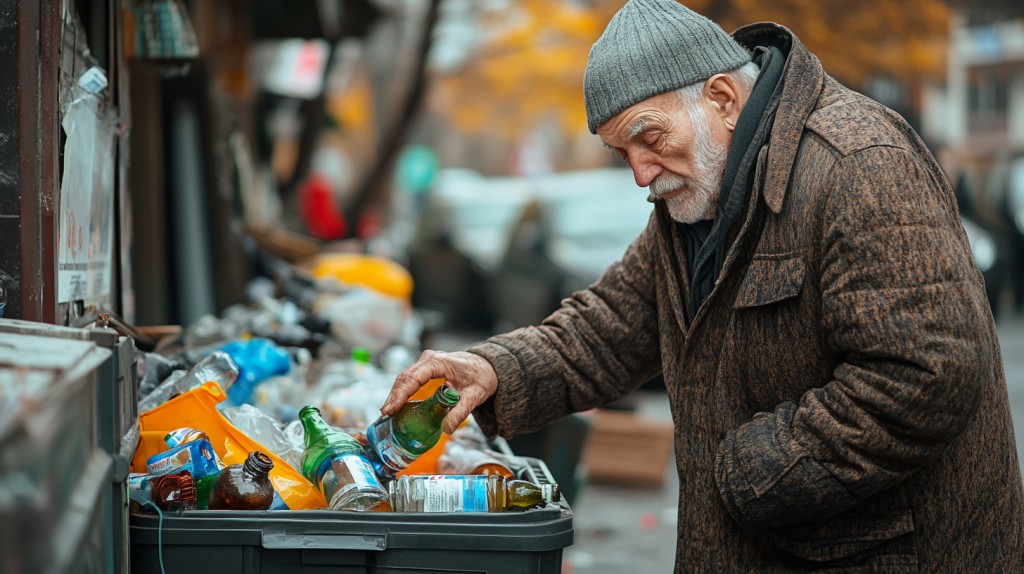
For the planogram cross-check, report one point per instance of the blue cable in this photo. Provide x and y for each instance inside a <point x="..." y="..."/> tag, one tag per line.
<point x="159" y="535"/>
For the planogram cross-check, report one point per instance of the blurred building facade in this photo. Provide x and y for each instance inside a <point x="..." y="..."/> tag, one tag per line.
<point x="975" y="123"/>
<point x="980" y="110"/>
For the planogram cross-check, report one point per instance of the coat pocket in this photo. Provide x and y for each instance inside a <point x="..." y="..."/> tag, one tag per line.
<point x="770" y="279"/>
<point x="883" y="541"/>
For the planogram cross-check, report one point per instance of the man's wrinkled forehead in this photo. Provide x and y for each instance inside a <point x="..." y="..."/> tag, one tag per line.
<point x="635" y="130"/>
<point x="630" y="131"/>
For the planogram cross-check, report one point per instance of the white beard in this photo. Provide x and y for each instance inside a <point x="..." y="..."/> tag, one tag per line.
<point x="699" y="199"/>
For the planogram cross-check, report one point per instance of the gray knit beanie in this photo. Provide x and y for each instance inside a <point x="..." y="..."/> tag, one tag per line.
<point x="651" y="47"/>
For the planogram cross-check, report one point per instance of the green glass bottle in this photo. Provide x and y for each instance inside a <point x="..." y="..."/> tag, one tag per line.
<point x="468" y="493"/>
<point x="401" y="439"/>
<point x="335" y="462"/>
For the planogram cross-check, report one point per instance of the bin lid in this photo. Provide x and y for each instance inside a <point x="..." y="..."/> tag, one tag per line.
<point x="33" y="369"/>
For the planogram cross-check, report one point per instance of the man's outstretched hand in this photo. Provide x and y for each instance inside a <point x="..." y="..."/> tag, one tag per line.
<point x="471" y="375"/>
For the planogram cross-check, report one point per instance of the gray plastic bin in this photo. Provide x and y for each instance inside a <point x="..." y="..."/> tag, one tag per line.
<point x="113" y="411"/>
<point x="64" y="462"/>
<point x="55" y="496"/>
<point x="293" y="542"/>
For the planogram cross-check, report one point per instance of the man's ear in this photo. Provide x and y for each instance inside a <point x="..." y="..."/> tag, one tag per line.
<point x="725" y="99"/>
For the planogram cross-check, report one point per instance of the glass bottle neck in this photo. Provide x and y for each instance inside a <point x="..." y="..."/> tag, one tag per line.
<point x="313" y="425"/>
<point x="445" y="396"/>
<point x="258" y="465"/>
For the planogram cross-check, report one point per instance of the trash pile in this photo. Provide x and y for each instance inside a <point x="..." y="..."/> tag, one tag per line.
<point x="275" y="406"/>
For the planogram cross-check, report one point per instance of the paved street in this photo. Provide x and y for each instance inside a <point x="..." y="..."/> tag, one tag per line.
<point x="633" y="530"/>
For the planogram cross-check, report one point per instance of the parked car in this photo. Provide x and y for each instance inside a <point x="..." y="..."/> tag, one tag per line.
<point x="575" y="226"/>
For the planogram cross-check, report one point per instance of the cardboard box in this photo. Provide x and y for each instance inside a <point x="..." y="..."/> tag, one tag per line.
<point x="628" y="449"/>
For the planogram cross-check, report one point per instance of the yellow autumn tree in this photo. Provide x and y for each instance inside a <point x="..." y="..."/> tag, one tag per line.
<point x="854" y="40"/>
<point x="530" y="69"/>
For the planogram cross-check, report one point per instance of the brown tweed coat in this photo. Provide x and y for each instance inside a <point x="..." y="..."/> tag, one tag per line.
<point x="839" y="399"/>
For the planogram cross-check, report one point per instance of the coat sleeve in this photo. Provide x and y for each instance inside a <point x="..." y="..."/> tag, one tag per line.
<point x="904" y="312"/>
<point x="598" y="346"/>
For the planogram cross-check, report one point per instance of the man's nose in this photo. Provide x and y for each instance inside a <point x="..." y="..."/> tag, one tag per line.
<point x="645" y="173"/>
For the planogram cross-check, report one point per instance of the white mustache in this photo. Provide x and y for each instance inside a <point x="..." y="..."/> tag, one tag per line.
<point x="667" y="183"/>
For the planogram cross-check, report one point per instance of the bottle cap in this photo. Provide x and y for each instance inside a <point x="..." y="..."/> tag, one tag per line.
<point x="361" y="355"/>
<point x="447" y="396"/>
<point x="187" y="487"/>
<point x="550" y="493"/>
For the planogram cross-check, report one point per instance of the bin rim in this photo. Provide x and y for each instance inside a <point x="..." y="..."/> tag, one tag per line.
<point x="536" y="530"/>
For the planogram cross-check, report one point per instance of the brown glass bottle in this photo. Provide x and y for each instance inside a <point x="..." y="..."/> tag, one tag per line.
<point x="168" y="491"/>
<point x="244" y="486"/>
<point x="174" y="491"/>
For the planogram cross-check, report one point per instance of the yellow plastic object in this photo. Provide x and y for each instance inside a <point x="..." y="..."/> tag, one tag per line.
<point x="198" y="409"/>
<point x="150" y="443"/>
<point x="381" y="275"/>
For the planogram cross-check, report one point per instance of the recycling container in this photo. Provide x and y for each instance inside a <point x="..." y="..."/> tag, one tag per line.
<point x="68" y="430"/>
<point x="287" y="541"/>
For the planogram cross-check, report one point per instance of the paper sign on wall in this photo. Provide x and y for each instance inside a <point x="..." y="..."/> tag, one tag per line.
<point x="85" y="253"/>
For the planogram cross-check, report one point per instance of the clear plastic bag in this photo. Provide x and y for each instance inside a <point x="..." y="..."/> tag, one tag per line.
<point x="364" y="318"/>
<point x="349" y="392"/>
<point x="153" y="369"/>
<point x="267" y="431"/>
<point x="217" y="367"/>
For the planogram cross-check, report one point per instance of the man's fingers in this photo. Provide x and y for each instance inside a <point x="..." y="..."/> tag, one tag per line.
<point x="409" y="381"/>
<point x="455" y="417"/>
<point x="469" y="399"/>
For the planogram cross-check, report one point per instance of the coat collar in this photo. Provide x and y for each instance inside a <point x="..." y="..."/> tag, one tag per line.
<point x="803" y="80"/>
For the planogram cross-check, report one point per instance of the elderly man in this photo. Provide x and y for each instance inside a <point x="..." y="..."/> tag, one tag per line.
<point x="806" y="290"/>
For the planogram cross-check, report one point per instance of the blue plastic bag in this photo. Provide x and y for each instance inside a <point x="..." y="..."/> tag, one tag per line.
<point x="257" y="360"/>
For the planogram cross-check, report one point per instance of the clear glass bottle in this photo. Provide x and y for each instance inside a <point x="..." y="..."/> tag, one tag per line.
<point x="460" y="458"/>
<point x="335" y="462"/>
<point x="401" y="439"/>
<point x="470" y="435"/>
<point x="467" y="493"/>
<point x="244" y="486"/>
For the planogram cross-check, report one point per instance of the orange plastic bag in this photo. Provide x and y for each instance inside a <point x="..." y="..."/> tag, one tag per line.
<point x="150" y="443"/>
<point x="198" y="409"/>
